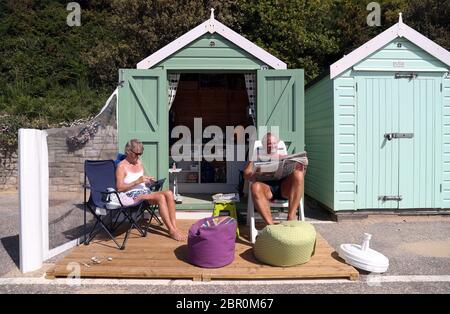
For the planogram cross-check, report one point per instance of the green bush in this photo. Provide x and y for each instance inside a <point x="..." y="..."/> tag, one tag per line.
<point x="9" y="127"/>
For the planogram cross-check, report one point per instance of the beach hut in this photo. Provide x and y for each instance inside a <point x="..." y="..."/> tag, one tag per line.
<point x="378" y="126"/>
<point x="212" y="73"/>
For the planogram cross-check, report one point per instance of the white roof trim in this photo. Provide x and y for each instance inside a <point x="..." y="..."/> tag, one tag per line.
<point x="398" y="30"/>
<point x="213" y="26"/>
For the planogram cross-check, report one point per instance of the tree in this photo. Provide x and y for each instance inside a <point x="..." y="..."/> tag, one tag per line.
<point x="144" y="26"/>
<point x="296" y="31"/>
<point x="431" y="18"/>
<point x="350" y="23"/>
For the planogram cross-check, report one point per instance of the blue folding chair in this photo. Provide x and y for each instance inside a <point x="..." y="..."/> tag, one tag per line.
<point x="103" y="195"/>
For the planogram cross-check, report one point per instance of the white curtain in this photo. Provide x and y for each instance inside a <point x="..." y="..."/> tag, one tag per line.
<point x="174" y="78"/>
<point x="250" y="85"/>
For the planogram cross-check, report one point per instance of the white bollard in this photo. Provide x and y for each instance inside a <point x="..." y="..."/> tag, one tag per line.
<point x="33" y="198"/>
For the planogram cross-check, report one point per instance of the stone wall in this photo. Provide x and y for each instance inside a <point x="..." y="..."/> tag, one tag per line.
<point x="66" y="167"/>
<point x="8" y="171"/>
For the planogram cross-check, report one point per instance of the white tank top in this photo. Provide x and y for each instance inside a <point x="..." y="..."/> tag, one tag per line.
<point x="133" y="176"/>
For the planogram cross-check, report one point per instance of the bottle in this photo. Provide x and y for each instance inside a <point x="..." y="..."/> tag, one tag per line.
<point x="174" y="166"/>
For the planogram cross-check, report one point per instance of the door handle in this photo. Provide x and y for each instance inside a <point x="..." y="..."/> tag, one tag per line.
<point x="386" y="198"/>
<point x="390" y="136"/>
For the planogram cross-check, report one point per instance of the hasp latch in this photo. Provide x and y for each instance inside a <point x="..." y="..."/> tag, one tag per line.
<point x="385" y="198"/>
<point x="390" y="136"/>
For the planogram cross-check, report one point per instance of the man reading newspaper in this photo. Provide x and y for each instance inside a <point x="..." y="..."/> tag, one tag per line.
<point x="276" y="177"/>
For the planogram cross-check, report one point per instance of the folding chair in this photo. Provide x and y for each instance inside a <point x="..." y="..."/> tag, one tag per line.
<point x="274" y="203"/>
<point x="104" y="198"/>
<point x="151" y="208"/>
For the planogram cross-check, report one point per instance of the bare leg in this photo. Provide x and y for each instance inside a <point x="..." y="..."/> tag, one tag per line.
<point x="261" y="195"/>
<point x="171" y="205"/>
<point x="159" y="199"/>
<point x="292" y="189"/>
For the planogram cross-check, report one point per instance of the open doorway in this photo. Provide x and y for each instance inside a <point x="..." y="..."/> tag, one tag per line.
<point x="219" y="99"/>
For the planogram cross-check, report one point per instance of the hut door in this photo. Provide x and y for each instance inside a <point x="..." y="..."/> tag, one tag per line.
<point x="378" y="157"/>
<point x="143" y="114"/>
<point x="280" y="103"/>
<point x="420" y="155"/>
<point x="398" y="141"/>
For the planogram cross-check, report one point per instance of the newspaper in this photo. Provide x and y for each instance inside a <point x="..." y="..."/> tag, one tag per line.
<point x="279" y="168"/>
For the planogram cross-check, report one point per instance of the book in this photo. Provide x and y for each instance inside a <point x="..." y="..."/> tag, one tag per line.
<point x="279" y="168"/>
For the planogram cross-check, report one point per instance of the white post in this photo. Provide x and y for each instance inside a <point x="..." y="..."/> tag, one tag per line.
<point x="33" y="198"/>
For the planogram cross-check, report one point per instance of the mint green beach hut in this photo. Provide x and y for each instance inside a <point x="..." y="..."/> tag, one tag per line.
<point x="378" y="126"/>
<point x="213" y="73"/>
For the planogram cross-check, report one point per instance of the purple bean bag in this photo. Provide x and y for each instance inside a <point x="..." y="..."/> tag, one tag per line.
<point x="211" y="242"/>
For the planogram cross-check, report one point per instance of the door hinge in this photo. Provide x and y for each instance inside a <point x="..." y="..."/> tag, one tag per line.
<point x="441" y="87"/>
<point x="356" y="87"/>
<point x="357" y="189"/>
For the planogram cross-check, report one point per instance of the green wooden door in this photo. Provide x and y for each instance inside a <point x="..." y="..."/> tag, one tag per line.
<point x="143" y="114"/>
<point x="404" y="167"/>
<point x="378" y="114"/>
<point x="420" y="157"/>
<point x="280" y="103"/>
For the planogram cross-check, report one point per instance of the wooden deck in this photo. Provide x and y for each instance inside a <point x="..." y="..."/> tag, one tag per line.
<point x="158" y="256"/>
